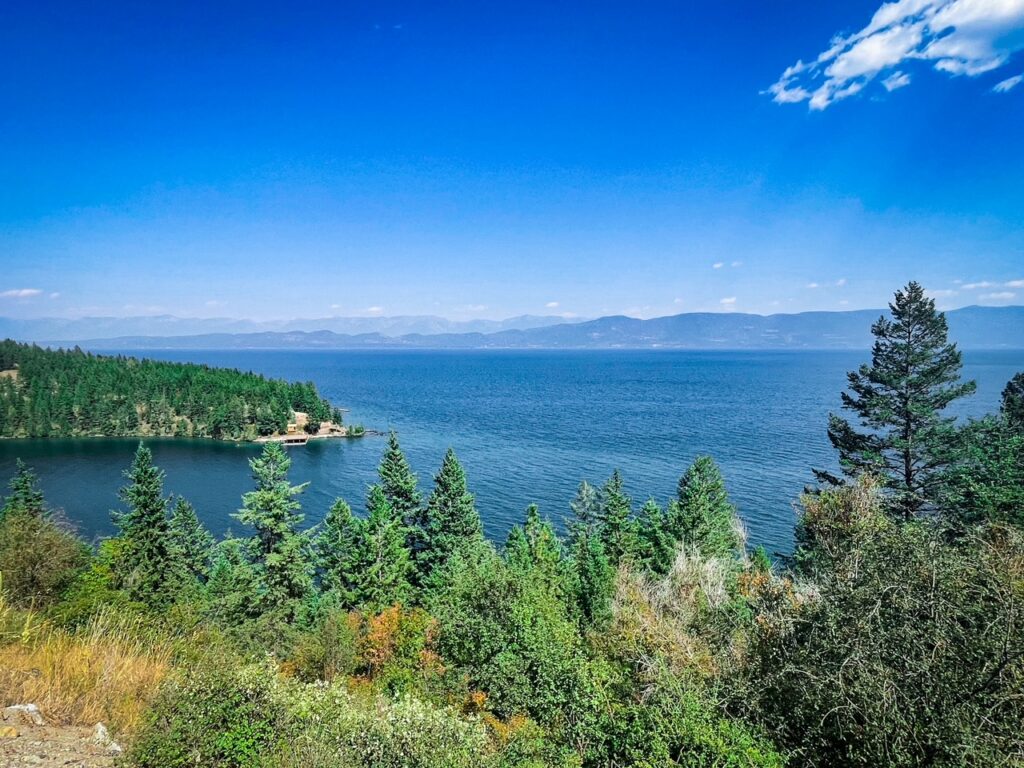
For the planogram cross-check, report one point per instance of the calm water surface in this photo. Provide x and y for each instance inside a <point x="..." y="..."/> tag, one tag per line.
<point x="528" y="426"/>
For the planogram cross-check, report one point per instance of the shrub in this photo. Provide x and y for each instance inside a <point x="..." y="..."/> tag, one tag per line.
<point x="38" y="557"/>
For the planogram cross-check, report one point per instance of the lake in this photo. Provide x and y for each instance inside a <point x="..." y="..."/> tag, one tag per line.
<point x="528" y="426"/>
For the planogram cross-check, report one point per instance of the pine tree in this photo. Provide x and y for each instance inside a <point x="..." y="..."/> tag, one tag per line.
<point x="702" y="516"/>
<point x="191" y="544"/>
<point x="337" y="545"/>
<point x="450" y="521"/>
<point x="146" y="559"/>
<point x="381" y="566"/>
<point x="657" y="545"/>
<point x="398" y="482"/>
<point x="534" y="549"/>
<point x="1012" y="408"/>
<point x="235" y="588"/>
<point x="280" y="550"/>
<point x="617" y="529"/>
<point x="25" y="495"/>
<point x="899" y="400"/>
<point x="593" y="577"/>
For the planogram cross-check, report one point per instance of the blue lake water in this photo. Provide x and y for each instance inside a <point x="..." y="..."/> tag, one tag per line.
<point x="528" y="426"/>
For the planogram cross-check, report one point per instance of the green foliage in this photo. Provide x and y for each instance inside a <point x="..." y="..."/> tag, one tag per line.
<point x="190" y="543"/>
<point x="909" y="651"/>
<point x="1012" y="408"/>
<point x="617" y="527"/>
<point x="592" y="575"/>
<point x="39" y="558"/>
<point x="146" y="565"/>
<point x="221" y="713"/>
<point x="71" y="393"/>
<point x="987" y="482"/>
<point x="25" y="495"/>
<point x="899" y="401"/>
<point x="337" y="542"/>
<point x="702" y="515"/>
<point x="235" y="590"/>
<point x="282" y="554"/>
<point x="450" y="521"/>
<point x="398" y="482"/>
<point x="380" y="566"/>
<point x="656" y="545"/>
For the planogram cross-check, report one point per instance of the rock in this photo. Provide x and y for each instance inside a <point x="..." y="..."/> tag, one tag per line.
<point x="101" y="738"/>
<point x="8" y="732"/>
<point x="24" y="713"/>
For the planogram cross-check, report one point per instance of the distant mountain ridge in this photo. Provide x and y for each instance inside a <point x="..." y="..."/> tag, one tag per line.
<point x="49" y="328"/>
<point x="971" y="327"/>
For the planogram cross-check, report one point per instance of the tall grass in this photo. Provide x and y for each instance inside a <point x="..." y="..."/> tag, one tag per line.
<point x="107" y="671"/>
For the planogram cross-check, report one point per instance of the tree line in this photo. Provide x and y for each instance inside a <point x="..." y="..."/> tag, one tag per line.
<point x="71" y="393"/>
<point x="635" y="635"/>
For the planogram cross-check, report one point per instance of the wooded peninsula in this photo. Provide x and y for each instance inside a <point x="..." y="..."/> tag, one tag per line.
<point x="72" y="393"/>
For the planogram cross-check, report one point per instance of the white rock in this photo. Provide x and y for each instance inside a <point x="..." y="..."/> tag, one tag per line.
<point x="101" y="738"/>
<point x="24" y="713"/>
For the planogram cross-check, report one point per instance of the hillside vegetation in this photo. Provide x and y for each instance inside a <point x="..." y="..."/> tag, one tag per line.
<point x="646" y="635"/>
<point x="71" y="393"/>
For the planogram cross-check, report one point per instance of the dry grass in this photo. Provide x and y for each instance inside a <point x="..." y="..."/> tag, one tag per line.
<point x="107" y="672"/>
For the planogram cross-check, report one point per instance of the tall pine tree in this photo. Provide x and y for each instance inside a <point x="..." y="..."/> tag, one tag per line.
<point x="191" y="544"/>
<point x="380" y="566"/>
<point x="337" y="546"/>
<point x="702" y="516"/>
<point x="618" y="529"/>
<point x="593" y="576"/>
<point x="281" y="551"/>
<point x="146" y="562"/>
<point x="899" y="400"/>
<point x="451" y="520"/>
<point x="534" y="550"/>
<point x="25" y="496"/>
<point x="657" y="545"/>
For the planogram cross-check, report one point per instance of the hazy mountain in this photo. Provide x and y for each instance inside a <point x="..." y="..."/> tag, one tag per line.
<point x="971" y="327"/>
<point x="49" y="328"/>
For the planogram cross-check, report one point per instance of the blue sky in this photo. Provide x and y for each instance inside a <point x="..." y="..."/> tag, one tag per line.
<point x="480" y="160"/>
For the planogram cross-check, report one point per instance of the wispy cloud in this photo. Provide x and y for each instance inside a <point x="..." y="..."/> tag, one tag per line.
<point x="375" y="310"/>
<point x="1008" y="84"/>
<point x="941" y="293"/>
<point x="998" y="296"/>
<point x="736" y="264"/>
<point x="20" y="293"/>
<point x="959" y="37"/>
<point x="718" y="265"/>
<point x="55" y="295"/>
<point x="840" y="282"/>
<point x="978" y="286"/>
<point x="1015" y="284"/>
<point x="813" y="285"/>
<point x="729" y="302"/>
<point x="552" y="305"/>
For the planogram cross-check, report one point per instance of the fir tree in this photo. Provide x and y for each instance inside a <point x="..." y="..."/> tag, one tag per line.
<point x="398" y="482"/>
<point x="380" y="566"/>
<point x="146" y="560"/>
<point x="337" y="545"/>
<point x="234" y="588"/>
<point x="657" y="545"/>
<point x="593" y="578"/>
<point x="280" y="550"/>
<point x="191" y="544"/>
<point x="25" y="496"/>
<point x="451" y="520"/>
<point x="1012" y="407"/>
<point x="534" y="549"/>
<point x="899" y="401"/>
<point x="702" y="516"/>
<point x="617" y="529"/>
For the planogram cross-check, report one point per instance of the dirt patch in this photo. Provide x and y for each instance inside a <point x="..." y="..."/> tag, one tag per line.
<point x="11" y="374"/>
<point x="50" y="746"/>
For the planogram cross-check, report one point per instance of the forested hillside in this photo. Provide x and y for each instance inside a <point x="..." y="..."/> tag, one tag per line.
<point x="71" y="393"/>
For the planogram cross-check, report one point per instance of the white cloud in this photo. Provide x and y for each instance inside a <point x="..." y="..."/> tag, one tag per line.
<point x="718" y="265"/>
<point x="998" y="296"/>
<point x="55" y="295"/>
<point x="1008" y="84"/>
<point x="736" y="264"/>
<point x="840" y="282"/>
<point x="374" y="310"/>
<point x="978" y="286"/>
<point x="896" y="81"/>
<point x="844" y="302"/>
<point x="941" y="293"/>
<point x="212" y="303"/>
<point x="552" y="305"/>
<point x="1015" y="284"/>
<point x="728" y="302"/>
<point x="335" y="306"/>
<point x="677" y="301"/>
<point x="474" y="308"/>
<point x="813" y="285"/>
<point x="960" y="37"/>
<point x="20" y="293"/>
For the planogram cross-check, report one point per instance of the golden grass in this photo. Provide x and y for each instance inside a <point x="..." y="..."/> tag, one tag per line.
<point x="107" y="672"/>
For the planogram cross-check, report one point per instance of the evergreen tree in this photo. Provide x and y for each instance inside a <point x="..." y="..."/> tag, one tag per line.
<point x="337" y="543"/>
<point x="617" y="528"/>
<point x="657" y="545"/>
<point x="535" y="550"/>
<point x="235" y="588"/>
<point x="1012" y="408"/>
<point x="280" y="550"/>
<point x="191" y="544"/>
<point x="451" y="520"/>
<point x="25" y="495"/>
<point x="146" y="559"/>
<point x="702" y="516"/>
<point x="593" y="577"/>
<point x="899" y="400"/>
<point x="401" y="489"/>
<point x="381" y="566"/>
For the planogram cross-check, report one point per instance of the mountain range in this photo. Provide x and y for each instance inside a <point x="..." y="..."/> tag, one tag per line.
<point x="971" y="327"/>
